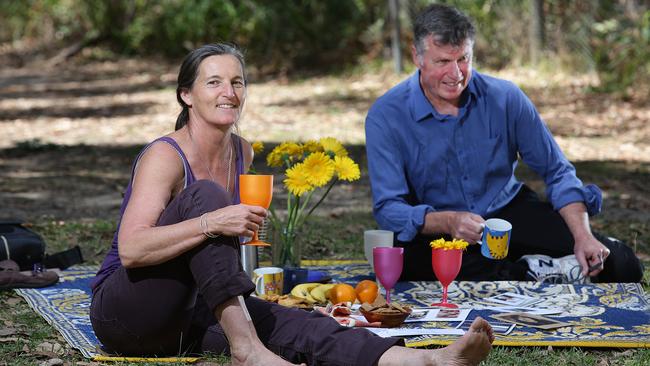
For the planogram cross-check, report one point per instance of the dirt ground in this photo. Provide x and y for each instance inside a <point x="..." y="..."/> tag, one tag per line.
<point x="69" y="134"/>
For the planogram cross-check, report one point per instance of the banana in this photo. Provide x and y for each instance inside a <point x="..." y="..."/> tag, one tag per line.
<point x="319" y="293"/>
<point x="302" y="290"/>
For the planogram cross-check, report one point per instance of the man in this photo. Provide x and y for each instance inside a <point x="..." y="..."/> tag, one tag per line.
<point x="442" y="150"/>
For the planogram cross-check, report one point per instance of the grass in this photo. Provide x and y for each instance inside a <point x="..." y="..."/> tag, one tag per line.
<point x="533" y="356"/>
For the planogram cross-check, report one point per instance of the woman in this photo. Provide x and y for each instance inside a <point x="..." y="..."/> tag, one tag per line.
<point x="172" y="282"/>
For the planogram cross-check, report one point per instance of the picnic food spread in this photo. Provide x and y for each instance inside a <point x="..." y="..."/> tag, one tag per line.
<point x="322" y="293"/>
<point x="338" y="299"/>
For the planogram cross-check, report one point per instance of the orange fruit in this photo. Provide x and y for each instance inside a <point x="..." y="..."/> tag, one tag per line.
<point x="342" y="292"/>
<point x="367" y="291"/>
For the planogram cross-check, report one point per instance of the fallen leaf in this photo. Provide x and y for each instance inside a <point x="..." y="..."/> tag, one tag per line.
<point x="7" y="331"/>
<point x="12" y="301"/>
<point x="51" y="362"/>
<point x="626" y="353"/>
<point x="44" y="354"/>
<point x="603" y="362"/>
<point x="9" y="339"/>
<point x="47" y="348"/>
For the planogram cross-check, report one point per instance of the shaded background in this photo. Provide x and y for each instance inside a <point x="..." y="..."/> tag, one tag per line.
<point x="84" y="84"/>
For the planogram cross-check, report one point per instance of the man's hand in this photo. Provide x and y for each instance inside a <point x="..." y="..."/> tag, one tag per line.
<point x="458" y="224"/>
<point x="466" y="226"/>
<point x="591" y="255"/>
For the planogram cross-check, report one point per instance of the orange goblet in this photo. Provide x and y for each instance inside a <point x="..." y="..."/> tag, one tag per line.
<point x="256" y="190"/>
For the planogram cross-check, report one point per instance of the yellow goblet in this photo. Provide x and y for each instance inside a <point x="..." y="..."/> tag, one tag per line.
<point x="256" y="190"/>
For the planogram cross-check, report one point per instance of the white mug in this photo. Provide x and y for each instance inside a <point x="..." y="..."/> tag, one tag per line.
<point x="375" y="238"/>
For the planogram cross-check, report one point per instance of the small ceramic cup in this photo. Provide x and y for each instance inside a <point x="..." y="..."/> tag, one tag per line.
<point x="268" y="280"/>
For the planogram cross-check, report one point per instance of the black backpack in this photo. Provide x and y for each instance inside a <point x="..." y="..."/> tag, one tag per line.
<point x="27" y="248"/>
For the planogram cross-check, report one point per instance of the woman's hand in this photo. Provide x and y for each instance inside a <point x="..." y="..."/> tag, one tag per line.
<point x="235" y="220"/>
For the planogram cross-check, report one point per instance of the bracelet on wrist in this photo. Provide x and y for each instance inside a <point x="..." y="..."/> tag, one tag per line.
<point x="203" y="223"/>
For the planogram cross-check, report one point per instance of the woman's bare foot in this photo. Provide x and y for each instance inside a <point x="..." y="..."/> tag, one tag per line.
<point x="257" y="355"/>
<point x="468" y="350"/>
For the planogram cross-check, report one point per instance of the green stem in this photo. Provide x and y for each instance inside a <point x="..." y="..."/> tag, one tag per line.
<point x="319" y="201"/>
<point x="289" y="206"/>
<point x="299" y="222"/>
<point x="293" y="214"/>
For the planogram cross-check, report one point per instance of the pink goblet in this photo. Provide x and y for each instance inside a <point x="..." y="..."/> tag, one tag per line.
<point x="388" y="262"/>
<point x="446" y="265"/>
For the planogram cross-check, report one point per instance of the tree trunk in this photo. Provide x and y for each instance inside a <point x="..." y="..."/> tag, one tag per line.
<point x="536" y="30"/>
<point x="393" y="11"/>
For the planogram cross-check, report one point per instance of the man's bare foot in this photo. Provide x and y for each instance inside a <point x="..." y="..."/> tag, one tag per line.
<point x="471" y="348"/>
<point x="468" y="350"/>
<point x="259" y="355"/>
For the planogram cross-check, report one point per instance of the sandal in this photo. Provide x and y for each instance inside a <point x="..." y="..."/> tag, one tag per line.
<point x="11" y="277"/>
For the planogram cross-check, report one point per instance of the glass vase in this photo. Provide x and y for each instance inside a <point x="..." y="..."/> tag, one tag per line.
<point x="287" y="249"/>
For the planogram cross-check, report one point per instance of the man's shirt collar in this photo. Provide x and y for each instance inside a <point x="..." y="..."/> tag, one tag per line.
<point x="422" y="108"/>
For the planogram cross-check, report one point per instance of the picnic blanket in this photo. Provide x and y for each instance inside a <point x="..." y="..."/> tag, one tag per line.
<point x="601" y="315"/>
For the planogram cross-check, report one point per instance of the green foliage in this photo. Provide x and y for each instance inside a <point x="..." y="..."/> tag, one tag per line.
<point x="500" y="30"/>
<point x="621" y="49"/>
<point x="276" y="35"/>
<point x="609" y="36"/>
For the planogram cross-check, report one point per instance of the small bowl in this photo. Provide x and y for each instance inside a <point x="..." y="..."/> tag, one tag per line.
<point x="386" y="320"/>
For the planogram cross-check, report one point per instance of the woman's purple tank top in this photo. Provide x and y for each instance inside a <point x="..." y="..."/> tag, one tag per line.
<point x="112" y="260"/>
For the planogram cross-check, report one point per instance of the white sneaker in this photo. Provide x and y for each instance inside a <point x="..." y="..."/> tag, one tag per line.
<point x="555" y="270"/>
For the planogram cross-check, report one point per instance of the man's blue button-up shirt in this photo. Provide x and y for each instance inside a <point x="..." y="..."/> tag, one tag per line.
<point x="421" y="161"/>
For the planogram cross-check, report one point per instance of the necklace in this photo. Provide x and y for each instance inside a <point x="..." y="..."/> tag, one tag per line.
<point x="207" y="166"/>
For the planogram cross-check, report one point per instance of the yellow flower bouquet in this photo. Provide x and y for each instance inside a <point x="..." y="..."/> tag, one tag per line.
<point x="312" y="170"/>
<point x="449" y="245"/>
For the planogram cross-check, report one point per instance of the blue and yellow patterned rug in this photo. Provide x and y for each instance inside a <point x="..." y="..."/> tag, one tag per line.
<point x="601" y="315"/>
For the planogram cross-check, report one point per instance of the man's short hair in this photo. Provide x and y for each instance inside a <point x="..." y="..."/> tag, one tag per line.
<point x="447" y="25"/>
